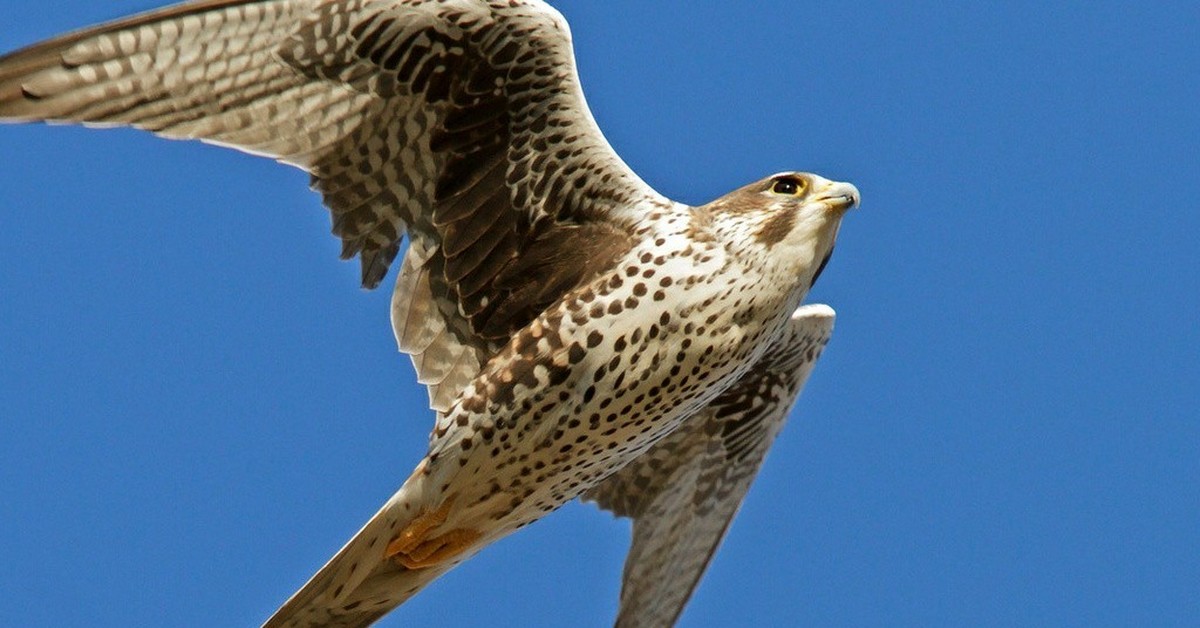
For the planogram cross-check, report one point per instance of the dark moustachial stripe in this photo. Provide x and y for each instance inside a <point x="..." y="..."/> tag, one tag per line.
<point x="776" y="228"/>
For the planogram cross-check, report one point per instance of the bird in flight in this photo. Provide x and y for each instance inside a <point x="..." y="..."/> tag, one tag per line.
<point x="579" y="334"/>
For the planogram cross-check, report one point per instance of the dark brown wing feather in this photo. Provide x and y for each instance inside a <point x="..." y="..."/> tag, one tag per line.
<point x="461" y="123"/>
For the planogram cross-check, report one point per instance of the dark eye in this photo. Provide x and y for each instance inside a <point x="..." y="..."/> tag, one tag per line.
<point x="788" y="186"/>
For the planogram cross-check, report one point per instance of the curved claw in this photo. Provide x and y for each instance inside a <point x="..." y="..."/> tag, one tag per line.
<point x="414" y="548"/>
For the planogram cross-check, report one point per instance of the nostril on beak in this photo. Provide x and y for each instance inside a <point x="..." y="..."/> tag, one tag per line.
<point x="843" y="196"/>
<point x="839" y="196"/>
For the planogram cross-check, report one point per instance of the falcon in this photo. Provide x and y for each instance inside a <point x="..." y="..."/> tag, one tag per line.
<point x="579" y="334"/>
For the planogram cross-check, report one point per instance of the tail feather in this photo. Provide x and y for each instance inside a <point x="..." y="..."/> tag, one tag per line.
<point x="358" y="585"/>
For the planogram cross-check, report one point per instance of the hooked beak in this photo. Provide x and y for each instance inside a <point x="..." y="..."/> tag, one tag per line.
<point x="838" y="196"/>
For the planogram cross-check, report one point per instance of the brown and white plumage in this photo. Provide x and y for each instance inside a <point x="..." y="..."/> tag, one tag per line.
<point x="682" y="494"/>
<point x="396" y="110"/>
<point x="566" y="319"/>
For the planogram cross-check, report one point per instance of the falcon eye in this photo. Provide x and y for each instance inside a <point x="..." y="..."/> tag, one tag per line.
<point x="789" y="186"/>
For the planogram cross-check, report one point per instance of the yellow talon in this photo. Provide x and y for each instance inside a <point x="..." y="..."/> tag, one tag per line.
<point x="414" y="549"/>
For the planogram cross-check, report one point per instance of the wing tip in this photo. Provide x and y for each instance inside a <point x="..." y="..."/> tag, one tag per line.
<point x="17" y="100"/>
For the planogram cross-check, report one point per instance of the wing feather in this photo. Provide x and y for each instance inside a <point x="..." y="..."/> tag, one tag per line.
<point x="458" y="121"/>
<point x="682" y="494"/>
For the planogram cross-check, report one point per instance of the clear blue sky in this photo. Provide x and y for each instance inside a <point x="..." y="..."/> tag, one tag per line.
<point x="198" y="405"/>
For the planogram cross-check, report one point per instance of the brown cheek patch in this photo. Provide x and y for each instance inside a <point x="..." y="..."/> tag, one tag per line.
<point x="776" y="228"/>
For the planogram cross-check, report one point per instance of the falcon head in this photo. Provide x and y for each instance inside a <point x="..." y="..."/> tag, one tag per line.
<point x="790" y="218"/>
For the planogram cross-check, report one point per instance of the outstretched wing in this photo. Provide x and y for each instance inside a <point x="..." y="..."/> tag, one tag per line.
<point x="683" y="493"/>
<point x="459" y="122"/>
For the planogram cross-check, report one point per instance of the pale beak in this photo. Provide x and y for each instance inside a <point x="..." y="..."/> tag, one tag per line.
<point x="838" y="196"/>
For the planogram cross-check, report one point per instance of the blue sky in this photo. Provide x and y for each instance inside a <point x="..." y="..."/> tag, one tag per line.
<point x="198" y="405"/>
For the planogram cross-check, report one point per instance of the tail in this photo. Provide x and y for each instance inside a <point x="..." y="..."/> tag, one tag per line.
<point x="358" y="586"/>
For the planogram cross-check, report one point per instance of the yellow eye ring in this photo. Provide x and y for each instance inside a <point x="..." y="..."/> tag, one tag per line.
<point x="789" y="186"/>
